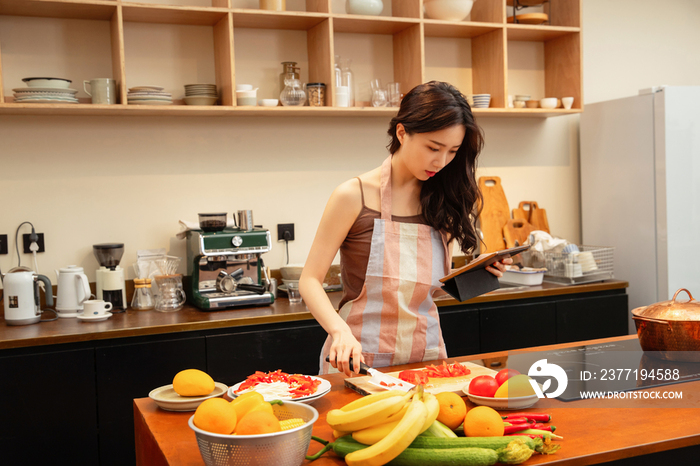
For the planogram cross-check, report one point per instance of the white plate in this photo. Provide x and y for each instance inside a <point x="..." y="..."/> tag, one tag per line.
<point x="151" y="102"/>
<point x="99" y="318"/>
<point x="45" y="89"/>
<point x="321" y="390"/>
<point x="146" y="88"/>
<point x="149" y="94"/>
<point x="46" y="101"/>
<point x="166" y="398"/>
<point x="518" y="402"/>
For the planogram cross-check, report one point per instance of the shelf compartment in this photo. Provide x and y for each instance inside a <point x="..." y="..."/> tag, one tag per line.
<point x="355" y="24"/>
<point x="464" y="30"/>
<point x="97" y="10"/>
<point x="523" y="32"/>
<point x="158" y="14"/>
<point x="489" y="66"/>
<point x="263" y="19"/>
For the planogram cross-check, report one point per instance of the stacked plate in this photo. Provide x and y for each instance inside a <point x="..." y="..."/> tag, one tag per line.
<point x="201" y="94"/>
<point x="46" y="91"/>
<point x="148" y="95"/>
<point x="481" y="100"/>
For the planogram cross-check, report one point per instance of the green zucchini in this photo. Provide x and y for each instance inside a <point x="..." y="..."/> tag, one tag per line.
<point x="493" y="443"/>
<point x="422" y="456"/>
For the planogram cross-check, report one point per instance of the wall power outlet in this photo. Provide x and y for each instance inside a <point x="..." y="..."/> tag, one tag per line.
<point x="26" y="242"/>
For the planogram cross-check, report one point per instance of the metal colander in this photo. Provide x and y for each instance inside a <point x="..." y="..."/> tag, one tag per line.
<point x="286" y="448"/>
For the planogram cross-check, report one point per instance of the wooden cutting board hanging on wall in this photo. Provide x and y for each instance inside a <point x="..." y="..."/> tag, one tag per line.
<point x="538" y="218"/>
<point x="494" y="214"/>
<point x="516" y="229"/>
<point x="522" y="212"/>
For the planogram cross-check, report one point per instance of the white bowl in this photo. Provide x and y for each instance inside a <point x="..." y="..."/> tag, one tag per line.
<point x="519" y="104"/>
<point x="291" y="271"/>
<point x="200" y="100"/>
<point x="522" y="277"/>
<point x="567" y="102"/>
<point x="248" y="93"/>
<point x="518" y="402"/>
<point x="448" y="10"/>
<point x="268" y="102"/>
<point x="364" y="7"/>
<point x="48" y="82"/>
<point x="549" y="102"/>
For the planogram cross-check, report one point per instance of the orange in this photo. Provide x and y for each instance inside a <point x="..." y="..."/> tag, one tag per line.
<point x="215" y="415"/>
<point x="258" y="422"/>
<point x="483" y="421"/>
<point x="193" y="382"/>
<point x="247" y="401"/>
<point x="452" y="409"/>
<point x="264" y="406"/>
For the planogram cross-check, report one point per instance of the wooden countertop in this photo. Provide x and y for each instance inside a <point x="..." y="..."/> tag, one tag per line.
<point x="139" y="323"/>
<point x="593" y="433"/>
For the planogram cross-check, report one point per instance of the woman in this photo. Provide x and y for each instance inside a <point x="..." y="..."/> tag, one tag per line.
<point x="393" y="226"/>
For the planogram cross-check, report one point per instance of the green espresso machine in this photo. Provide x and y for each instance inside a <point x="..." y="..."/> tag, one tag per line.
<point x="225" y="268"/>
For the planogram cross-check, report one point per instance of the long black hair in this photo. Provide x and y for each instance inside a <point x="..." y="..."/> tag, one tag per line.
<point x="450" y="201"/>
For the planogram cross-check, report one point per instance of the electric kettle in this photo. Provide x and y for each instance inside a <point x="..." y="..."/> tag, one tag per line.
<point x="73" y="288"/>
<point x="21" y="296"/>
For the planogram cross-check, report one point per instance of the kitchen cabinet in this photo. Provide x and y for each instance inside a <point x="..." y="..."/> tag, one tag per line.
<point x="460" y="330"/>
<point x="48" y="401"/>
<point x="487" y="31"/>
<point x="132" y="370"/>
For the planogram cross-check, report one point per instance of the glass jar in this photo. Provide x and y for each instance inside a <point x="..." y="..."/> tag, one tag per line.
<point x="293" y="94"/>
<point x="316" y="93"/>
<point x="348" y="80"/>
<point x="288" y="70"/>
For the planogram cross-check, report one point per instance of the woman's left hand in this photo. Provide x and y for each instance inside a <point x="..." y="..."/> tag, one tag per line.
<point x="497" y="268"/>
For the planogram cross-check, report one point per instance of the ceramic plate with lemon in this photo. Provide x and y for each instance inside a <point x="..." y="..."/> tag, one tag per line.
<point x="189" y="389"/>
<point x="507" y="390"/>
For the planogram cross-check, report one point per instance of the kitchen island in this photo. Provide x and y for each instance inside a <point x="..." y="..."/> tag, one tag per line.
<point x="98" y="368"/>
<point x="639" y="433"/>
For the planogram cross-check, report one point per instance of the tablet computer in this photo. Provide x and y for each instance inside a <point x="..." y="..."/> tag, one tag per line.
<point x="487" y="260"/>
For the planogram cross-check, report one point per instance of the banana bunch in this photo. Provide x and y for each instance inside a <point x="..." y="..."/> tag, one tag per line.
<point x="387" y="421"/>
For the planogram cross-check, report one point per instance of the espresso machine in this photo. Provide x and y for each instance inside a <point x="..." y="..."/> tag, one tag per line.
<point x="109" y="278"/>
<point x="225" y="268"/>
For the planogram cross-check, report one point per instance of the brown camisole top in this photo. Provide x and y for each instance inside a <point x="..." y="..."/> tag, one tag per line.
<point x="354" y="252"/>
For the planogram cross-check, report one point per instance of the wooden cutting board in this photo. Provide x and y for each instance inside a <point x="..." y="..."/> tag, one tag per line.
<point x="494" y="214"/>
<point x="361" y="385"/>
<point x="522" y="212"/>
<point x="538" y="218"/>
<point x="516" y="230"/>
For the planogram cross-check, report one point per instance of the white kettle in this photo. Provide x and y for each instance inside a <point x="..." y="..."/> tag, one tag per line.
<point x="21" y="296"/>
<point x="73" y="289"/>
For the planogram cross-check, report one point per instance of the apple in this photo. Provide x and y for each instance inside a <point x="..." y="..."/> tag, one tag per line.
<point x="483" y="385"/>
<point x="504" y="375"/>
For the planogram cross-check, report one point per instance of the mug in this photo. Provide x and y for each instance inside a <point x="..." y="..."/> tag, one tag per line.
<point x="171" y="294"/>
<point x="96" y="307"/>
<point x="104" y="90"/>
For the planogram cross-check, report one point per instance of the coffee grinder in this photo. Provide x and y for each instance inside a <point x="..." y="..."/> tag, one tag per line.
<point x="225" y="268"/>
<point x="109" y="278"/>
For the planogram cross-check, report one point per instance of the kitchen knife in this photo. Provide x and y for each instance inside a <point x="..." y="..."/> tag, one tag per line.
<point x="389" y="382"/>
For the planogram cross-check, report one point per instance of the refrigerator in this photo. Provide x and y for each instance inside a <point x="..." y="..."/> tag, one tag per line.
<point x="640" y="189"/>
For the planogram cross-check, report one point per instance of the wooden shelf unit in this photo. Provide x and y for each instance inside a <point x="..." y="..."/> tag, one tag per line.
<point x="487" y="30"/>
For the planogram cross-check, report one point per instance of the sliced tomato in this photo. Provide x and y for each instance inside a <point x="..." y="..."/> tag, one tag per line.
<point x="415" y="377"/>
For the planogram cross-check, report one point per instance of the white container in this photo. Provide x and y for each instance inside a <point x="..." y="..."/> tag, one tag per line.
<point x="522" y="277"/>
<point x="244" y="87"/>
<point x="342" y="97"/>
<point x="364" y="7"/>
<point x="568" y="102"/>
<point x="549" y="102"/>
<point x="448" y="10"/>
<point x="268" y="102"/>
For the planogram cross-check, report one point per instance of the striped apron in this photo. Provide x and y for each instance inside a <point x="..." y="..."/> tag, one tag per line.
<point x="395" y="318"/>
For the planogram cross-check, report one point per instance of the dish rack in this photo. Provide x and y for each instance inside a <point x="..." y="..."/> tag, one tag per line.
<point x="589" y="264"/>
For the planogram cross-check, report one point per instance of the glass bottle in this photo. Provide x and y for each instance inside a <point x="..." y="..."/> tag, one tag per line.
<point x="348" y="79"/>
<point x="293" y="93"/>
<point x="338" y="73"/>
<point x="288" y="68"/>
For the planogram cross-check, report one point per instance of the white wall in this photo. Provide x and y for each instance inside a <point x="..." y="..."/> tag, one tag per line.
<point x="85" y="180"/>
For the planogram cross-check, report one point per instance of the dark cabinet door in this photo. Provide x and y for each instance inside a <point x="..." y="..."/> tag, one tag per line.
<point x="460" y="330"/>
<point x="232" y="357"/>
<point x="129" y="371"/>
<point x="48" y="405"/>
<point x="590" y="318"/>
<point x="517" y="326"/>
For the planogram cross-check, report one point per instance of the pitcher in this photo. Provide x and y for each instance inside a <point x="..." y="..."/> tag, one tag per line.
<point x="171" y="295"/>
<point x="73" y="288"/>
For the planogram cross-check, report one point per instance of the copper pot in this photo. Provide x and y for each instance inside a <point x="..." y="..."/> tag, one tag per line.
<point x="670" y="329"/>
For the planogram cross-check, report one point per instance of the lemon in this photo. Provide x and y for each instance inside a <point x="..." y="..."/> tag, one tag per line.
<point x="193" y="382"/>
<point x="518" y="385"/>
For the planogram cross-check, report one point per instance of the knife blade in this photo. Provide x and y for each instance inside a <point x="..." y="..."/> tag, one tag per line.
<point x="390" y="382"/>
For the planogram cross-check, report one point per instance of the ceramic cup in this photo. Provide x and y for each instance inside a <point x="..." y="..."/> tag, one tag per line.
<point x="568" y="102"/>
<point x="273" y="5"/>
<point x="102" y="90"/>
<point x="96" y="307"/>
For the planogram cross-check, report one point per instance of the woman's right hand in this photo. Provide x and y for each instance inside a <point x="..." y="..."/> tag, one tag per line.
<point x="344" y="347"/>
